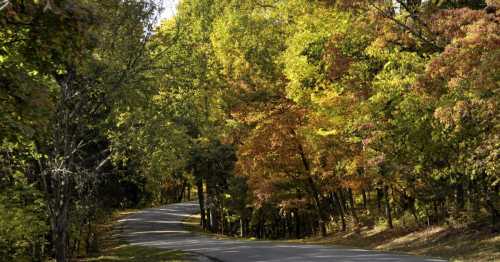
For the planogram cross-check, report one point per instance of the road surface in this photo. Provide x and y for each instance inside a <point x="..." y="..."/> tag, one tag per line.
<point x="162" y="228"/>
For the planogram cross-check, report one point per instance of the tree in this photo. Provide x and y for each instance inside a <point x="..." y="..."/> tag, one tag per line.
<point x="55" y="45"/>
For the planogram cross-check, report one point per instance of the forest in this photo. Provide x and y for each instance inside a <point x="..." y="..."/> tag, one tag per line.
<point x="282" y="119"/>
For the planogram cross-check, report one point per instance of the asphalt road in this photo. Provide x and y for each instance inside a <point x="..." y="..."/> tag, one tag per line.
<point x="162" y="228"/>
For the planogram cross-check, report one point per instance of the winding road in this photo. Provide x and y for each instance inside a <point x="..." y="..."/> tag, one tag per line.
<point x="162" y="228"/>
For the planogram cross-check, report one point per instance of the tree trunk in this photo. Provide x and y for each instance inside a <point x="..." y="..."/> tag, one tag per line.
<point x="242" y="233"/>
<point x="353" y="208"/>
<point x="460" y="197"/>
<point x="222" y="219"/>
<point x="341" y="211"/>
<point x="261" y="227"/>
<point x="315" y="192"/>
<point x="297" y="225"/>
<point x="492" y="201"/>
<point x="414" y="210"/>
<point x="388" y="207"/>
<point x="210" y="219"/>
<point x="60" y="231"/>
<point x="364" y="198"/>
<point x="201" y="201"/>
<point x="379" y="200"/>
<point x="57" y="179"/>
<point x="436" y="211"/>
<point x="57" y="186"/>
<point x="183" y="189"/>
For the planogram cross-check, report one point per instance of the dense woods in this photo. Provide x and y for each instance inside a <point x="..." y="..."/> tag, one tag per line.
<point x="285" y="119"/>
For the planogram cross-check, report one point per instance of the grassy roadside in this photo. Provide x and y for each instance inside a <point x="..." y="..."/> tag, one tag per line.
<point x="112" y="248"/>
<point x="192" y="223"/>
<point x="456" y="244"/>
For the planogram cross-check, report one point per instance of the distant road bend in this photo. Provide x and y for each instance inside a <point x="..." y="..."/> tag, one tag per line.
<point x="162" y="228"/>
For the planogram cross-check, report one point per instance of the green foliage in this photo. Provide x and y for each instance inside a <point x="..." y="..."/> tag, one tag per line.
<point x="23" y="220"/>
<point x="280" y="112"/>
<point x="376" y="97"/>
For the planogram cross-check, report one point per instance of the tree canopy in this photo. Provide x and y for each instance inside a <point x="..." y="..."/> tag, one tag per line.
<point x="288" y="118"/>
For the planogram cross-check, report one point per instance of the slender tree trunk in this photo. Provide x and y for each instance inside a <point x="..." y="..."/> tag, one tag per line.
<point x="242" y="233"/>
<point x="88" y="238"/>
<point x="388" y="207"/>
<point x="297" y="225"/>
<point x="335" y="213"/>
<point x="363" y="192"/>
<point x="210" y="219"/>
<point x="61" y="238"/>
<point x="60" y="225"/>
<point x="246" y="227"/>
<point x="428" y="217"/>
<point x="201" y="201"/>
<point x="436" y="211"/>
<point x="320" y="212"/>
<point x="341" y="211"/>
<point x="492" y="201"/>
<point x="286" y="226"/>
<point x="312" y="226"/>
<point x="261" y="227"/>
<point x="181" y="193"/>
<point x="343" y="201"/>
<point x="353" y="208"/>
<point x="414" y="210"/>
<point x="313" y="189"/>
<point x="222" y="219"/>
<point x="379" y="200"/>
<point x="460" y="197"/>
<point x="474" y="197"/>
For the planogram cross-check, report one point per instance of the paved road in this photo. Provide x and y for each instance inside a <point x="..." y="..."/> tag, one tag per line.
<point x="162" y="228"/>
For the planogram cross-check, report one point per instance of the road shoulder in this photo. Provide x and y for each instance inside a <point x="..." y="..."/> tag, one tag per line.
<point x="455" y="244"/>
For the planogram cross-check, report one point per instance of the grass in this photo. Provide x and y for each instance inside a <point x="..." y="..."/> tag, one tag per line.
<point x="192" y="223"/>
<point x="457" y="244"/>
<point x="112" y="248"/>
<point x="125" y="252"/>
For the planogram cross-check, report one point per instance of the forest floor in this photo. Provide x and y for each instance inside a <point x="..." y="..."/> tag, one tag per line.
<point x="456" y="244"/>
<point x="113" y="248"/>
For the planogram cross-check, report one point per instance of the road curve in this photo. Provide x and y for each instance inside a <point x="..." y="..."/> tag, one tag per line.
<point x="162" y="228"/>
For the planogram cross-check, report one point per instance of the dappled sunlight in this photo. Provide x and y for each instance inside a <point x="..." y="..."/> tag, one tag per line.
<point x="493" y="240"/>
<point x="375" y="230"/>
<point x="161" y="222"/>
<point x="128" y="220"/>
<point x="421" y="236"/>
<point x="160" y="228"/>
<point x="159" y="231"/>
<point x="167" y="209"/>
<point x="298" y="124"/>
<point x="169" y="214"/>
